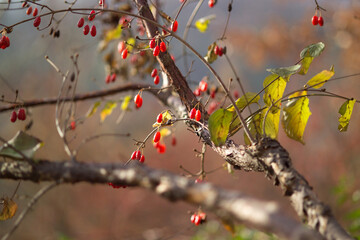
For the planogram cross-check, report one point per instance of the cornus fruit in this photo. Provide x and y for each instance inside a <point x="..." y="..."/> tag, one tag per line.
<point x="86" y="30"/>
<point x="159" y="118"/>
<point x="72" y="125"/>
<point x="173" y="141"/>
<point x="197" y="219"/>
<point x="161" y="148"/>
<point x="162" y="47"/>
<point x="221" y="52"/>
<point x="35" y="13"/>
<point x="113" y="77"/>
<point x="197" y="92"/>
<point x="156" y="80"/>
<point x="212" y="93"/>
<point x="156" y="51"/>
<point x="192" y="218"/>
<point x="152" y="43"/>
<point x="197" y="115"/>
<point x="4" y="42"/>
<point x="154" y="72"/>
<point x="121" y="46"/>
<point x="81" y="22"/>
<point x="174" y="26"/>
<point x="314" y="20"/>
<point x="91" y="15"/>
<point x="203" y="86"/>
<point x="216" y="50"/>
<point x="211" y="3"/>
<point x="138" y="155"/>
<point x="21" y="114"/>
<point x="192" y="113"/>
<point x="37" y="21"/>
<point x="13" y="116"/>
<point x="133" y="155"/>
<point x="124" y="54"/>
<point x="138" y="100"/>
<point x="93" y="31"/>
<point x="321" y="21"/>
<point x="29" y="10"/>
<point x="142" y="159"/>
<point x="157" y="137"/>
<point x="107" y="79"/>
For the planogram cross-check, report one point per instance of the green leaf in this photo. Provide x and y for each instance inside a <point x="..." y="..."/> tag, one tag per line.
<point x="107" y="110"/>
<point x="345" y="111"/>
<point x="126" y="102"/>
<point x="203" y="23"/>
<point x="307" y="55"/>
<point x="285" y="72"/>
<point x="321" y="78"/>
<point x="274" y="91"/>
<point x="219" y="123"/>
<point x="24" y="143"/>
<point x="93" y="109"/>
<point x="295" y="116"/>
<point x="243" y="101"/>
<point x="210" y="55"/>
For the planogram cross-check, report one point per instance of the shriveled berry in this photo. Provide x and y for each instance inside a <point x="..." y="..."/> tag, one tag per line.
<point x="86" y="30"/>
<point x="37" y="21"/>
<point x="321" y="21"/>
<point x="174" y="26"/>
<point x="154" y="72"/>
<point x="81" y="22"/>
<point x="21" y="114"/>
<point x="142" y="159"/>
<point x="152" y="43"/>
<point x="124" y="54"/>
<point x="93" y="30"/>
<point x="156" y="51"/>
<point x="13" y="116"/>
<point x="72" y="125"/>
<point x="162" y="47"/>
<point x="197" y="115"/>
<point x="29" y="10"/>
<point x="192" y="218"/>
<point x="161" y="148"/>
<point x="91" y="15"/>
<point x="192" y="113"/>
<point x="113" y="77"/>
<point x="35" y="12"/>
<point x="159" y="118"/>
<point x="156" y="80"/>
<point x="315" y="20"/>
<point x="157" y="137"/>
<point x="203" y="86"/>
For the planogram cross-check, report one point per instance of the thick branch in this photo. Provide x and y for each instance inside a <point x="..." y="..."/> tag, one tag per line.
<point x="262" y="215"/>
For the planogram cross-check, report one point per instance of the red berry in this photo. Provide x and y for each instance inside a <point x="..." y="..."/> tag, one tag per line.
<point x="161" y="148"/>
<point x="139" y="104"/>
<point x="212" y="93"/>
<point x="157" y="137"/>
<point x="137" y="155"/>
<point x="156" y="145"/>
<point x="24" y="4"/>
<point x="101" y="2"/>
<point x="133" y="155"/>
<point x="315" y="20"/>
<point x="108" y="79"/>
<point x="13" y="116"/>
<point x="197" y="92"/>
<point x="121" y="46"/>
<point x="86" y="30"/>
<point x="162" y="47"/>
<point x="173" y="141"/>
<point x="29" y="10"/>
<point x="35" y="13"/>
<point x="156" y="80"/>
<point x="72" y="125"/>
<point x="142" y="159"/>
<point x="91" y="15"/>
<point x="212" y="107"/>
<point x="321" y="21"/>
<point x="197" y="115"/>
<point x="197" y="220"/>
<point x="202" y="216"/>
<point x="211" y="3"/>
<point x="93" y="30"/>
<point x="138" y="101"/>
<point x="236" y="94"/>
<point x="21" y="114"/>
<point x="154" y="72"/>
<point x="216" y="50"/>
<point x="203" y="86"/>
<point x="159" y="118"/>
<point x="221" y="52"/>
<point x="113" y="77"/>
<point x="192" y="219"/>
<point x="37" y="21"/>
<point x="198" y="180"/>
<point x="156" y="51"/>
<point x="81" y="22"/>
<point x="124" y="54"/>
<point x="192" y="113"/>
<point x="4" y="42"/>
<point x="174" y="26"/>
<point x="152" y="43"/>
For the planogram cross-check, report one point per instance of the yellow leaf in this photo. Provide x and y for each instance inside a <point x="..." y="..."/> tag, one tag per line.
<point x="165" y="132"/>
<point x="275" y="87"/>
<point x="125" y="103"/>
<point x="244" y="101"/>
<point x="346" y="111"/>
<point x="8" y="210"/>
<point x="203" y="23"/>
<point x="321" y="78"/>
<point x="114" y="33"/>
<point x="130" y="43"/>
<point x="93" y="110"/>
<point x="107" y="110"/>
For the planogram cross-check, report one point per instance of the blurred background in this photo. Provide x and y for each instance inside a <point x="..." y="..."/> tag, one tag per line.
<point x="260" y="35"/>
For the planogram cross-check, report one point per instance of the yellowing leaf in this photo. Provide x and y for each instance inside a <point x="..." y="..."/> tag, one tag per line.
<point x="345" y="111"/>
<point x="8" y="210"/>
<point x="272" y="122"/>
<point x="166" y="116"/>
<point x="321" y="78"/>
<point x="165" y="132"/>
<point x="305" y="64"/>
<point x="307" y="55"/>
<point x="295" y="116"/>
<point x="219" y="123"/>
<point x="203" y="23"/>
<point x="125" y="103"/>
<point x="274" y="91"/>
<point x="113" y="33"/>
<point x="245" y="100"/>
<point x="107" y="110"/>
<point x="254" y="125"/>
<point x="285" y="72"/>
<point x="93" y="109"/>
<point x="210" y="55"/>
<point x="130" y="44"/>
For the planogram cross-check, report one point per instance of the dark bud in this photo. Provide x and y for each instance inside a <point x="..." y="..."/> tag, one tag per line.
<point x="51" y="31"/>
<point x="57" y="34"/>
<point x="229" y="7"/>
<point x="72" y="77"/>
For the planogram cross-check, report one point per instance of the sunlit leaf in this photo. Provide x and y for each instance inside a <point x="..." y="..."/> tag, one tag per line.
<point x="345" y="111"/>
<point x="9" y="208"/>
<point x="307" y="55"/>
<point x="210" y="55"/>
<point x="126" y="102"/>
<point x="203" y="23"/>
<point x="219" y="123"/>
<point x="274" y="91"/>
<point x="166" y="116"/>
<point x="93" y="109"/>
<point x="319" y="79"/>
<point x="130" y="43"/>
<point x="22" y="142"/>
<point x="165" y="132"/>
<point x="245" y="100"/>
<point x="107" y="110"/>
<point x="295" y="116"/>
<point x="254" y="125"/>
<point x="285" y="72"/>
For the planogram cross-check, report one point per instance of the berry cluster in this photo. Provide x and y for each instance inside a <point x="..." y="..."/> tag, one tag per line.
<point x="87" y="28"/>
<point x="138" y="100"/>
<point x="198" y="219"/>
<point x="136" y="155"/>
<point x="317" y="20"/>
<point x="219" y="50"/>
<point x="154" y="74"/>
<point x="21" y="115"/>
<point x="195" y="114"/>
<point x="110" y="78"/>
<point x="161" y="148"/>
<point x="203" y="86"/>
<point x="157" y="48"/>
<point x="4" y="42"/>
<point x="30" y="10"/>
